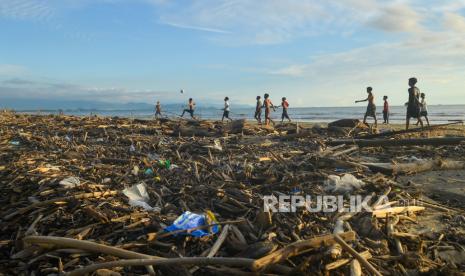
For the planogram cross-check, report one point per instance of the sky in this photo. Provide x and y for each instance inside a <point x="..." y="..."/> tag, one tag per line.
<point x="314" y="52"/>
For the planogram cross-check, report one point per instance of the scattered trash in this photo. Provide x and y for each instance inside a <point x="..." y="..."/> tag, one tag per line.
<point x="164" y="164"/>
<point x="70" y="182"/>
<point x="148" y="172"/>
<point x="110" y="210"/>
<point x="347" y="183"/>
<point x="135" y="170"/>
<point x="153" y="156"/>
<point x="15" y="143"/>
<point x="138" y="197"/>
<point x="216" y="146"/>
<point x="190" y="220"/>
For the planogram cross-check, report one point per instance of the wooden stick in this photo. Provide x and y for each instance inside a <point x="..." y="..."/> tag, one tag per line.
<point x="197" y="261"/>
<point x="398" y="143"/>
<point x="89" y="246"/>
<point x="390" y="230"/>
<point x="59" y="199"/>
<point x="357" y="256"/>
<point x="219" y="242"/>
<point x="297" y="247"/>
<point x="355" y="268"/>
<point x="396" y="210"/>
<point x="335" y="250"/>
<point x="335" y="265"/>
<point x="412" y="130"/>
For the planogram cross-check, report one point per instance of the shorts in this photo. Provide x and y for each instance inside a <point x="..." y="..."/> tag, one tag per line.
<point x="413" y="111"/>
<point x="226" y="114"/>
<point x="371" y="110"/>
<point x="423" y="113"/>
<point x="285" y="115"/>
<point x="386" y="115"/>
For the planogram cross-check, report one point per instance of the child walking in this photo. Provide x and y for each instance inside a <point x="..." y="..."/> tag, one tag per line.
<point x="371" y="108"/>
<point x="285" y="106"/>
<point x="386" y="110"/>
<point x="226" y="109"/>
<point x="423" y="109"/>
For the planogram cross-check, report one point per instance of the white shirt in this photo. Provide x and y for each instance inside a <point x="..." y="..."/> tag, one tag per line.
<point x="226" y="106"/>
<point x="423" y="107"/>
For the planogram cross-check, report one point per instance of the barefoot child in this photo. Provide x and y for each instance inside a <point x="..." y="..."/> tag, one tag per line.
<point x="386" y="110"/>
<point x="371" y="108"/>
<point x="258" y="110"/>
<point x="226" y="110"/>
<point x="268" y="105"/>
<point x="413" y="106"/>
<point x="423" y="108"/>
<point x="190" y="108"/>
<point x="285" y="106"/>
<point x="157" y="110"/>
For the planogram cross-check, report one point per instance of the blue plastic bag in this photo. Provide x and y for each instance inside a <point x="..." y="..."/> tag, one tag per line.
<point x="190" y="220"/>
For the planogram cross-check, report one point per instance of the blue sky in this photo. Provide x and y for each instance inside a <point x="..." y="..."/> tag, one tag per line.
<point x="317" y="53"/>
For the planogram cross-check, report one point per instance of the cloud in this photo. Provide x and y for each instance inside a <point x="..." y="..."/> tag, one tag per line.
<point x="31" y="89"/>
<point x="292" y="70"/>
<point x="259" y="22"/>
<point x="11" y="70"/>
<point x="198" y="28"/>
<point x="26" y="9"/>
<point x="454" y="22"/>
<point x="397" y="17"/>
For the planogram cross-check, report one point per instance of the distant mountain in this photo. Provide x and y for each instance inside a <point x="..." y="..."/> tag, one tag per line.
<point x="51" y="104"/>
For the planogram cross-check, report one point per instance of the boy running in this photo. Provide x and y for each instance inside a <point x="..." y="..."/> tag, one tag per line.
<point x="190" y="109"/>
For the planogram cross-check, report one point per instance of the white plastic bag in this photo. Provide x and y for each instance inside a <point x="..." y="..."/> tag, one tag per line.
<point x="346" y="183"/>
<point x="138" y="196"/>
<point x="70" y="182"/>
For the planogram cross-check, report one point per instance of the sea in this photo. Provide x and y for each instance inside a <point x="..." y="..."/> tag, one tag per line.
<point x="438" y="114"/>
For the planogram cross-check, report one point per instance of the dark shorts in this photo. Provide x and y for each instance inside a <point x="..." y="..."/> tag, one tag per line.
<point x="226" y="114"/>
<point x="190" y="111"/>
<point x="413" y="111"/>
<point x="424" y="113"/>
<point x="371" y="110"/>
<point x="385" y="115"/>
<point x="285" y="115"/>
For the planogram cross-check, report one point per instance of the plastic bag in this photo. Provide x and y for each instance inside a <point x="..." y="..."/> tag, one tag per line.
<point x="70" y="182"/>
<point x="346" y="183"/>
<point x="190" y="220"/>
<point x="138" y="197"/>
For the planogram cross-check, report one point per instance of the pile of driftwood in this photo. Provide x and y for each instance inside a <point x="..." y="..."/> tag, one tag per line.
<point x="64" y="210"/>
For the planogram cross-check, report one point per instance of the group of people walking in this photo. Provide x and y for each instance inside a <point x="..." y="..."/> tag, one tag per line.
<point x="416" y="106"/>
<point x="266" y="104"/>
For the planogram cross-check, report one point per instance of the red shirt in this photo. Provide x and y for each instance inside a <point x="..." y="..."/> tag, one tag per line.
<point x="285" y="104"/>
<point x="386" y="106"/>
